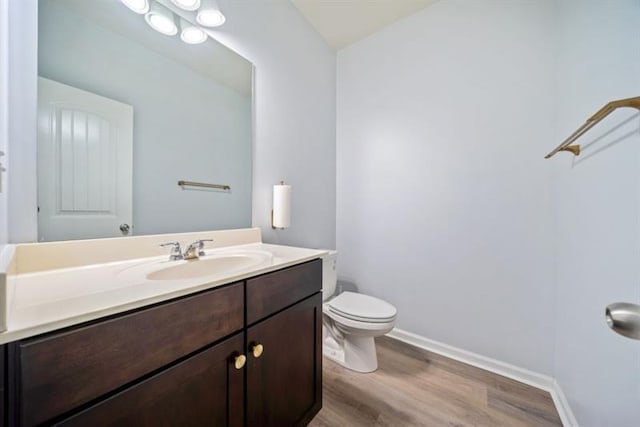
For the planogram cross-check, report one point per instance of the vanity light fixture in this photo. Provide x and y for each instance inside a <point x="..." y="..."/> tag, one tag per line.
<point x="191" y="34"/>
<point x="138" y="6"/>
<point x="189" y="5"/>
<point x="209" y="14"/>
<point x="161" y="19"/>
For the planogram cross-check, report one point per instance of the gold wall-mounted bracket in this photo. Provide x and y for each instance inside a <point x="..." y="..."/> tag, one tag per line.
<point x="567" y="144"/>
<point x="575" y="149"/>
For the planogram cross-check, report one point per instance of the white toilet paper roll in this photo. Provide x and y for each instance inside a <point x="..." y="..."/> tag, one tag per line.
<point x="281" y="206"/>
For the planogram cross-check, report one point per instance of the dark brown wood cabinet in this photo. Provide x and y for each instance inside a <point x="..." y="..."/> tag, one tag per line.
<point x="3" y="394"/>
<point x="181" y="362"/>
<point x="84" y="363"/>
<point x="204" y="390"/>
<point x="272" y="292"/>
<point x="284" y="384"/>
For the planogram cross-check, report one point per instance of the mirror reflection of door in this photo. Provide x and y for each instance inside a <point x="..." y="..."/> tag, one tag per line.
<point x="84" y="164"/>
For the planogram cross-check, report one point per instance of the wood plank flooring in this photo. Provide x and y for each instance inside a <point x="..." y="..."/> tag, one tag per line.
<point x="414" y="387"/>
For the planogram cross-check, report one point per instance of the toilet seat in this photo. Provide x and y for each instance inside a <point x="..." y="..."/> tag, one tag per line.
<point x="362" y="308"/>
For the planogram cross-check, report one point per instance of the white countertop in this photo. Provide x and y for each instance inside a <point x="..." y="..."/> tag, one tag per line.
<point x="44" y="301"/>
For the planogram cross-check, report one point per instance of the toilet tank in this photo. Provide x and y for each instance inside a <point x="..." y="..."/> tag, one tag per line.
<point x="329" y="274"/>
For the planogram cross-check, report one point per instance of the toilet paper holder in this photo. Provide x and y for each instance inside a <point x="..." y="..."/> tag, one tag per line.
<point x="281" y="210"/>
<point x="624" y="319"/>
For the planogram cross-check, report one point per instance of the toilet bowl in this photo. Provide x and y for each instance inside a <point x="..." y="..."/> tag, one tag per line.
<point x="351" y="321"/>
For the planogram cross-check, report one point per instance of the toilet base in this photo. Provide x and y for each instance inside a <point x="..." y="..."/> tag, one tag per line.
<point x="357" y="353"/>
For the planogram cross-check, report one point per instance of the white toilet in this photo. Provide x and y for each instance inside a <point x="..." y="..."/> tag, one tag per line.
<point x="351" y="321"/>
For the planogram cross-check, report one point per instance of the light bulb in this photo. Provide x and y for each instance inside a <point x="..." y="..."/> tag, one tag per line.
<point x="138" y="6"/>
<point x="210" y="18"/>
<point x="161" y="20"/>
<point x="209" y="14"/>
<point x="192" y="35"/>
<point x="187" y="4"/>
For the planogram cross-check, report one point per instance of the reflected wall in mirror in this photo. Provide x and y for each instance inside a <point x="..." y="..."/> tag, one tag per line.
<point x="124" y="113"/>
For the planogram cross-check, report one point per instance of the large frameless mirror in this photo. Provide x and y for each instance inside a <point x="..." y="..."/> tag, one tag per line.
<point x="125" y="113"/>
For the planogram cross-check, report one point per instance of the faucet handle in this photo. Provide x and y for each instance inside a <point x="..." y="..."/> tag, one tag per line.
<point x="176" y="250"/>
<point x="200" y="244"/>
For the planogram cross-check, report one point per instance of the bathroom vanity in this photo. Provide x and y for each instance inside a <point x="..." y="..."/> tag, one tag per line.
<point x="242" y="352"/>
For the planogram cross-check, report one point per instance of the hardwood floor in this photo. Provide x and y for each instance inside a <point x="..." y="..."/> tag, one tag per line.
<point x="413" y="387"/>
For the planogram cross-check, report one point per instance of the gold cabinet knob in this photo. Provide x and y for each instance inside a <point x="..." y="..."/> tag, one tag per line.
<point x="239" y="361"/>
<point x="257" y="350"/>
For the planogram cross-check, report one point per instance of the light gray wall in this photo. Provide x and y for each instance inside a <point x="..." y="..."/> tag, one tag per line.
<point x="294" y="118"/>
<point x="444" y="201"/>
<point x="4" y="118"/>
<point x="21" y="174"/>
<point x="186" y="126"/>
<point x="295" y="90"/>
<point x="598" y="210"/>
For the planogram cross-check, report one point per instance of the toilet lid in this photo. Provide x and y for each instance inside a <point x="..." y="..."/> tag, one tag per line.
<point x="362" y="307"/>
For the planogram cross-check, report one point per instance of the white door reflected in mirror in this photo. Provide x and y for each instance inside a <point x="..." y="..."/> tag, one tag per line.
<point x="85" y="144"/>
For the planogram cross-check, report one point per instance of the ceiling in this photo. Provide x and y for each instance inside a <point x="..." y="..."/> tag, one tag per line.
<point x="342" y="22"/>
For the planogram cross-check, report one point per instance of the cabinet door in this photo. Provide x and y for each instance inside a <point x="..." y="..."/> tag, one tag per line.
<point x="204" y="390"/>
<point x="284" y="384"/>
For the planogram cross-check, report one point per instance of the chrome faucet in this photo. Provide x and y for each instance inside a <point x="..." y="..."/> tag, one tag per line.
<point x="196" y="249"/>
<point x="176" y="251"/>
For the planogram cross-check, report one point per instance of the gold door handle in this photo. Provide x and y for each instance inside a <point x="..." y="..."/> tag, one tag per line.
<point x="257" y="350"/>
<point x="239" y="361"/>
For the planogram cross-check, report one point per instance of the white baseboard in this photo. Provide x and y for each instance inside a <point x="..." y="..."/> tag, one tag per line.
<point x="562" y="405"/>
<point x="522" y="375"/>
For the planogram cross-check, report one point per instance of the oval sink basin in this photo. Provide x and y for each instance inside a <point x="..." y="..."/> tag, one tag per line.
<point x="206" y="267"/>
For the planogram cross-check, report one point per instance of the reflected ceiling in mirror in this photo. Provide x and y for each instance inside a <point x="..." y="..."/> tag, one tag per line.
<point x="125" y="112"/>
